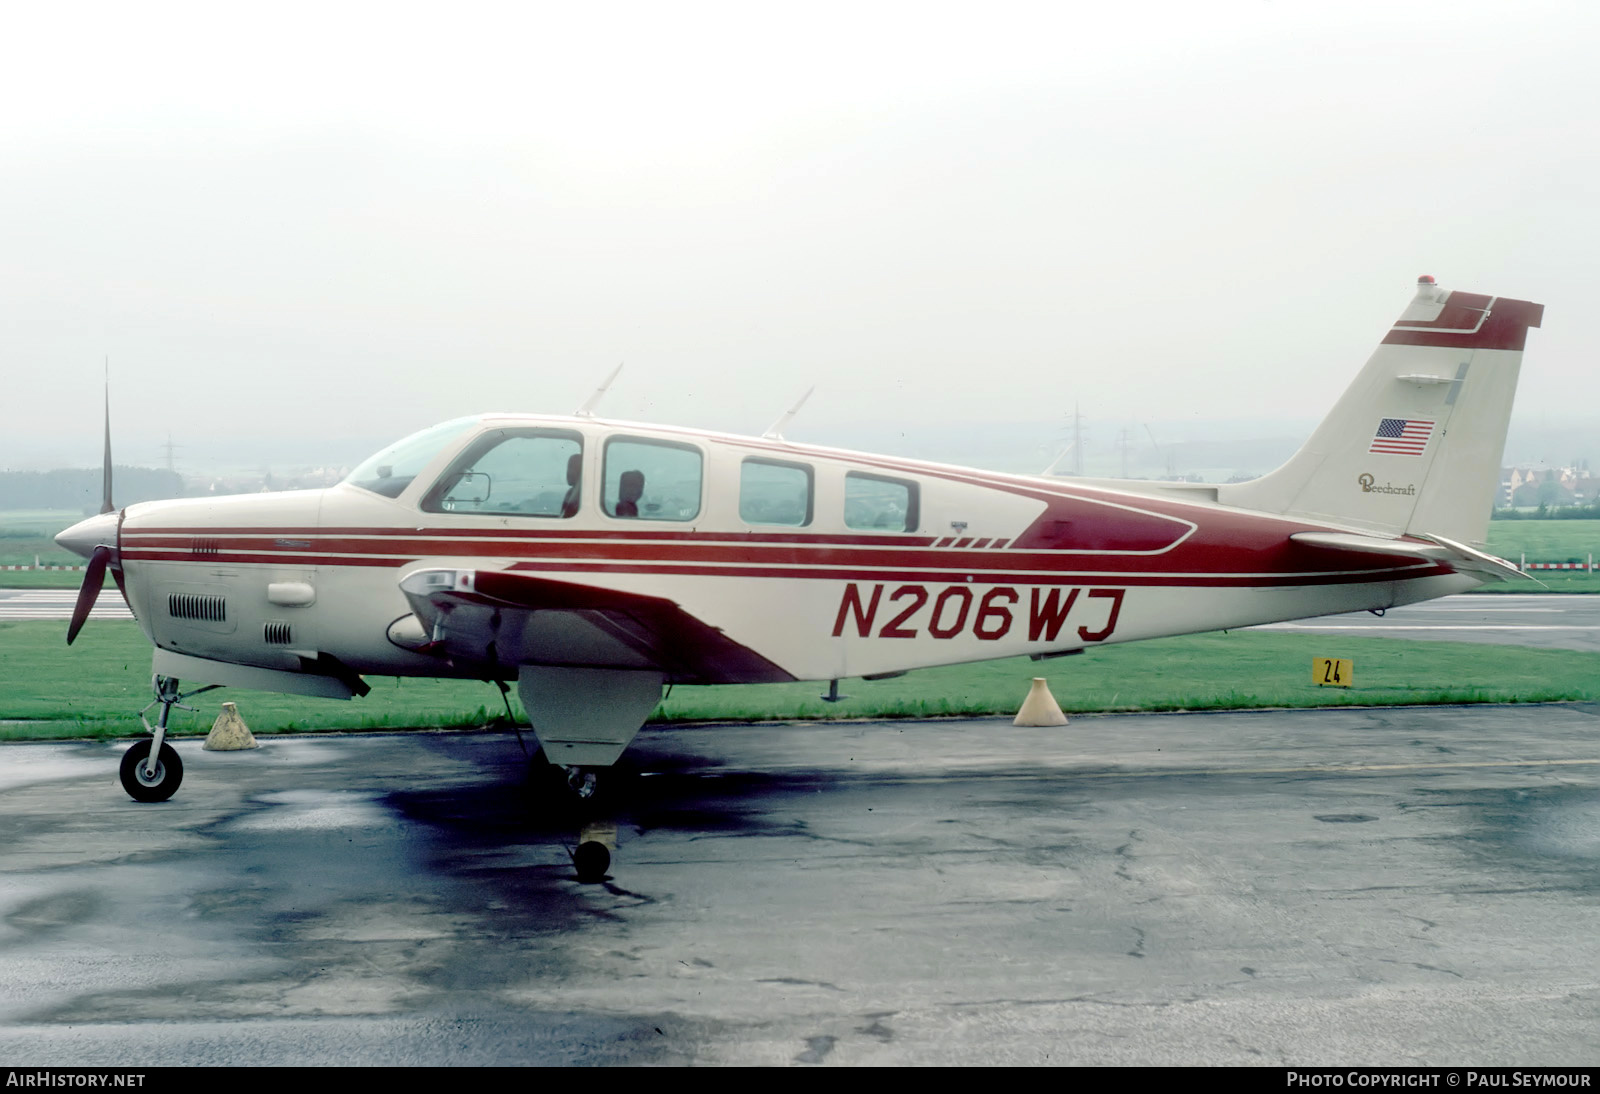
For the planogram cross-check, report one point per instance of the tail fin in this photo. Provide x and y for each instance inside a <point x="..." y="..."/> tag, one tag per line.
<point x="1414" y="444"/>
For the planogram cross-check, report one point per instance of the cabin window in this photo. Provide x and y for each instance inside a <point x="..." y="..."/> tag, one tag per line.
<point x="773" y="492"/>
<point x="651" y="480"/>
<point x="514" y="472"/>
<point x="876" y="503"/>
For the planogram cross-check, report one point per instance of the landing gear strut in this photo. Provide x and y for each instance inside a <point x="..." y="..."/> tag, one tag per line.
<point x="582" y="782"/>
<point x="566" y="795"/>
<point x="151" y="770"/>
<point x="561" y="784"/>
<point x="584" y="718"/>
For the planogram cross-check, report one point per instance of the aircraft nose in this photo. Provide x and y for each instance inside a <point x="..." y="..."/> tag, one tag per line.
<point x="82" y="538"/>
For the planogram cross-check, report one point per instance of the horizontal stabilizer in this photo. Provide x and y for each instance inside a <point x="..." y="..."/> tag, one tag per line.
<point x="1490" y="566"/>
<point x="1458" y="556"/>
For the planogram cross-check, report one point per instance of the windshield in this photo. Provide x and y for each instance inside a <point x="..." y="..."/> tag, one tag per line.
<point x="391" y="471"/>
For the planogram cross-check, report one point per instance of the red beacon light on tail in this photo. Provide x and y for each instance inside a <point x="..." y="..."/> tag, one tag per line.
<point x="1428" y="291"/>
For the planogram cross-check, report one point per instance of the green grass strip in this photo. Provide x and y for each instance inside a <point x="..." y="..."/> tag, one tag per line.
<point x="92" y="689"/>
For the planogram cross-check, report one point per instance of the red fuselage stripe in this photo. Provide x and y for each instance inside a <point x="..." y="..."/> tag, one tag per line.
<point x="898" y="566"/>
<point x="1252" y="553"/>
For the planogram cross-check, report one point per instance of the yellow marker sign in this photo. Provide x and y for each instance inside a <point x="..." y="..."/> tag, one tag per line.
<point x="1332" y="672"/>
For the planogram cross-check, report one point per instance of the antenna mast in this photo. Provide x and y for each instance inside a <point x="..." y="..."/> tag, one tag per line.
<point x="587" y="409"/>
<point x="775" y="430"/>
<point x="1077" y="441"/>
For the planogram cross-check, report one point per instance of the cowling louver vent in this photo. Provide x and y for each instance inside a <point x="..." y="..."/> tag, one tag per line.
<point x="212" y="609"/>
<point x="205" y="548"/>
<point x="277" y="634"/>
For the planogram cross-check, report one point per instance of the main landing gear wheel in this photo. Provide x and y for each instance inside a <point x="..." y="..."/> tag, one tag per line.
<point x="144" y="787"/>
<point x="591" y="860"/>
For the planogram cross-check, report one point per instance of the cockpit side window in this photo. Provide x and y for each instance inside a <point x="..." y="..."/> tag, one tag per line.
<point x="774" y="492"/>
<point x="391" y="471"/>
<point x="651" y="480"/>
<point x="877" y="503"/>
<point x="514" y="472"/>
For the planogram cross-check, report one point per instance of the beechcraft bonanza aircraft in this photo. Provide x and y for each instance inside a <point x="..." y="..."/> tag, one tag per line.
<point x="595" y="561"/>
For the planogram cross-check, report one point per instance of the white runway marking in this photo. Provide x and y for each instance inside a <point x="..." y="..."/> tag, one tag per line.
<point x="1423" y="627"/>
<point x="1446" y="609"/>
<point x="26" y="604"/>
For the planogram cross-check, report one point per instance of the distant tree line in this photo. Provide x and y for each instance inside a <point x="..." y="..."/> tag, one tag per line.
<point x="80" y="489"/>
<point x="1546" y="511"/>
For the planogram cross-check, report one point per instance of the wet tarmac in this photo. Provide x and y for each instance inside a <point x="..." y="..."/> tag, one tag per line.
<point x="1397" y="886"/>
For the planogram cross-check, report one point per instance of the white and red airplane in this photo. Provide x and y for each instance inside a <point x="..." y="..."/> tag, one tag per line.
<point x="594" y="561"/>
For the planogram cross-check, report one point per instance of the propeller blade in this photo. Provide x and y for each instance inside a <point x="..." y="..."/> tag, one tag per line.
<point x="93" y="578"/>
<point x="105" y="472"/>
<point x="122" y="586"/>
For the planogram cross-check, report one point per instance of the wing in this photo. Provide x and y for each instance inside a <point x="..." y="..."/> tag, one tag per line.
<point x="498" y="619"/>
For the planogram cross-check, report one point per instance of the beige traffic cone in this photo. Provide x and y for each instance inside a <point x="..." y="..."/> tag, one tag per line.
<point x="1040" y="707"/>
<point x="229" y="733"/>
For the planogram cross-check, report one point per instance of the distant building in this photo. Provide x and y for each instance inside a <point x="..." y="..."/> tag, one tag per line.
<point x="1531" y="487"/>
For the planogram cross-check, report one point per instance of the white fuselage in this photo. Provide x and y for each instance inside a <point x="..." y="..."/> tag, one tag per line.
<point x="982" y="566"/>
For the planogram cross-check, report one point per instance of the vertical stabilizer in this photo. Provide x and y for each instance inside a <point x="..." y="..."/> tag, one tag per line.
<point x="1414" y="444"/>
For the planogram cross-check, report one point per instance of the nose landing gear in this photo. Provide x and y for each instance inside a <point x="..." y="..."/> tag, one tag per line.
<point x="151" y="770"/>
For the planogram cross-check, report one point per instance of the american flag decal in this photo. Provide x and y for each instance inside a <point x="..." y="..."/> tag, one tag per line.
<point x="1401" y="436"/>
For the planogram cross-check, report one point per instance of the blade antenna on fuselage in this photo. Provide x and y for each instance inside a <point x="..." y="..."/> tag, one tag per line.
<point x="1051" y="470"/>
<point x="587" y="409"/>
<point x="775" y="430"/>
<point x="105" y="470"/>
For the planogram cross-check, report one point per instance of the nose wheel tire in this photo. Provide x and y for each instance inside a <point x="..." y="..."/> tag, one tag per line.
<point x="142" y="787"/>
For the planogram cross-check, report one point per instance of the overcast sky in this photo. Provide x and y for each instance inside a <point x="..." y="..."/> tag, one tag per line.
<point x="303" y="230"/>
